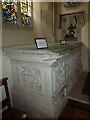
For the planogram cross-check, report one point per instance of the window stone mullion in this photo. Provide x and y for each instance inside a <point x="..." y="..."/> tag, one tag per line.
<point x="19" y="14"/>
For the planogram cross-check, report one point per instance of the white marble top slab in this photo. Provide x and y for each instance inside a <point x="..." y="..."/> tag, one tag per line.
<point x="52" y="53"/>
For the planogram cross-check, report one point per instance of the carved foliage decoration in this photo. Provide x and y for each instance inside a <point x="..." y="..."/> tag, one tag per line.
<point x="59" y="71"/>
<point x="29" y="78"/>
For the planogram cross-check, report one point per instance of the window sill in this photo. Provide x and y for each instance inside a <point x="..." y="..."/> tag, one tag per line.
<point x="14" y="26"/>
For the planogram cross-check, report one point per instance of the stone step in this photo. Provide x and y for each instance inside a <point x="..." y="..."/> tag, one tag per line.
<point x="81" y="104"/>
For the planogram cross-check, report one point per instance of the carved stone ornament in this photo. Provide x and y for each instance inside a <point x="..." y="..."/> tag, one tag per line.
<point x="31" y="78"/>
<point x="71" y="4"/>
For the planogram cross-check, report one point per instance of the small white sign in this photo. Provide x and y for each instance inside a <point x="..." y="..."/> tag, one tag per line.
<point x="41" y="43"/>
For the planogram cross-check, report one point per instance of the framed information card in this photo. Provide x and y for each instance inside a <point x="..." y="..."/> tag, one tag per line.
<point x="41" y="43"/>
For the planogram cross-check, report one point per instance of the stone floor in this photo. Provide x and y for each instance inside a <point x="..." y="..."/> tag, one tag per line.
<point x="76" y="91"/>
<point x="72" y="112"/>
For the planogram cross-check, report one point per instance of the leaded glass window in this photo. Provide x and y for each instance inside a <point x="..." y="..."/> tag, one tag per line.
<point x="19" y="13"/>
<point x="26" y="17"/>
<point x="9" y="10"/>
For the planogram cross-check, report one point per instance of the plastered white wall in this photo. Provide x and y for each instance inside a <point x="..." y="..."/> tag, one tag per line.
<point x="13" y="35"/>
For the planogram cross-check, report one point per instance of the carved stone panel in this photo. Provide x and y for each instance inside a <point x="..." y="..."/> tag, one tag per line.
<point x="29" y="78"/>
<point x="58" y="75"/>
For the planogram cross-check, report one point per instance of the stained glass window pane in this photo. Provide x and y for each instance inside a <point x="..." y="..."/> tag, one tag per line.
<point x="26" y="16"/>
<point x="9" y="10"/>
